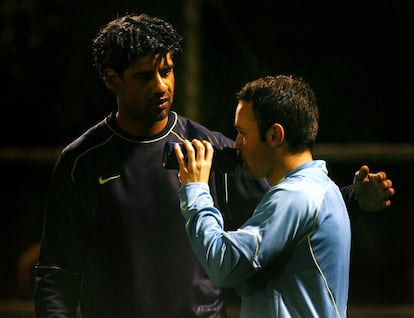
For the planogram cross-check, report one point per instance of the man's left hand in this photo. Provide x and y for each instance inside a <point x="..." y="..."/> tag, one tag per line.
<point x="373" y="191"/>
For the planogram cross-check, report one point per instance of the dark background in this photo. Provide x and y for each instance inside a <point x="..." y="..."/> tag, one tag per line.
<point x="357" y="55"/>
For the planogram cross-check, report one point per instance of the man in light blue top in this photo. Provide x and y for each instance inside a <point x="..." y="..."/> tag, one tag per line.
<point x="291" y="258"/>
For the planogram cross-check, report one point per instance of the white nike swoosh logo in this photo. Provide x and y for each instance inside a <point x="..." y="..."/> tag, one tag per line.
<point x="103" y="181"/>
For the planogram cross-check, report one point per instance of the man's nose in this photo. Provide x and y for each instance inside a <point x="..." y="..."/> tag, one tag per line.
<point x="160" y="83"/>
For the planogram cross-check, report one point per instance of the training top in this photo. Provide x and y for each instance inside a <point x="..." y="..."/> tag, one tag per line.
<point x="114" y="238"/>
<point x="291" y="258"/>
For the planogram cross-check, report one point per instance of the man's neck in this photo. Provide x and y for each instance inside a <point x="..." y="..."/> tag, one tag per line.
<point x="287" y="163"/>
<point x="141" y="128"/>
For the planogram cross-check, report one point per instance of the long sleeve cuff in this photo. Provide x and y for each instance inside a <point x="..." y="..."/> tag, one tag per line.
<point x="194" y="197"/>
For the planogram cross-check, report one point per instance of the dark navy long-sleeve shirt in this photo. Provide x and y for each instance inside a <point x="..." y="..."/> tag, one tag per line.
<point x="114" y="239"/>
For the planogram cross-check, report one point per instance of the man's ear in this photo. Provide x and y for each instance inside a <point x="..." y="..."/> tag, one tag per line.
<point x="276" y="135"/>
<point x="111" y="78"/>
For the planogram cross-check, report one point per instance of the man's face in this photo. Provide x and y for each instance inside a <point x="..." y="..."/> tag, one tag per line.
<point x="145" y="91"/>
<point x="255" y="153"/>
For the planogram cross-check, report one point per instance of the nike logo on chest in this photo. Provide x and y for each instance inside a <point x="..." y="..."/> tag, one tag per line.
<point x="105" y="180"/>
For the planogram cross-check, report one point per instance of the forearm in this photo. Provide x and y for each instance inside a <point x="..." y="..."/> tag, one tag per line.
<point x="216" y="249"/>
<point x="351" y="202"/>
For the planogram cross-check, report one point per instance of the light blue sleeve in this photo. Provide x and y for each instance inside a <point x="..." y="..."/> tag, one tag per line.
<point x="227" y="257"/>
<point x="283" y="218"/>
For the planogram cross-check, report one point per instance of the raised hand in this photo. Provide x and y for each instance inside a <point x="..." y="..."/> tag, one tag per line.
<point x="373" y="191"/>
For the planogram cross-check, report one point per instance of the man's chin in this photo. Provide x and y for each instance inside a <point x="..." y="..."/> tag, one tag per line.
<point x="162" y="114"/>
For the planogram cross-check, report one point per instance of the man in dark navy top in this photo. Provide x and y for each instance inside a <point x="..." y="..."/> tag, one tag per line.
<point x="113" y="239"/>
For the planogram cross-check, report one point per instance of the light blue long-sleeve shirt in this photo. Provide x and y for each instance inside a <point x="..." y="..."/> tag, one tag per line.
<point x="291" y="258"/>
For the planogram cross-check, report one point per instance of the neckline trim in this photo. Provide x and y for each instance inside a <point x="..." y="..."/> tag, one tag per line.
<point x="112" y="125"/>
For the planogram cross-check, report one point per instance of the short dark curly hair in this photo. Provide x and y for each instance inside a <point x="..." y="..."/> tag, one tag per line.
<point x="121" y="41"/>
